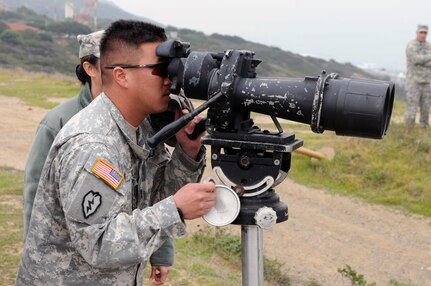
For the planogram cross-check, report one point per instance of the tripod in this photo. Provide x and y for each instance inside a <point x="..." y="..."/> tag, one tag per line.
<point x="252" y="164"/>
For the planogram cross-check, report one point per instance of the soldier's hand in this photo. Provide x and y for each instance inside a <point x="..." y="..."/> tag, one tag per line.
<point x="195" y="199"/>
<point x="159" y="274"/>
<point x="190" y="146"/>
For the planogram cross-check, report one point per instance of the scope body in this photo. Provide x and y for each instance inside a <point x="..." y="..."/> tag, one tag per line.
<point x="350" y="107"/>
<point x="353" y="107"/>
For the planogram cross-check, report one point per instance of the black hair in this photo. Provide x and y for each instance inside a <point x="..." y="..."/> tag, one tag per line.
<point x="129" y="33"/>
<point x="80" y="72"/>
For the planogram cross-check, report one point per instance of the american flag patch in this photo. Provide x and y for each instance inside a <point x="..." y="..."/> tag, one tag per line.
<point x="107" y="173"/>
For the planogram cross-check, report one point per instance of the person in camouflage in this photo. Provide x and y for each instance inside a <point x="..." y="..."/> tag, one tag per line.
<point x="418" y="78"/>
<point x="88" y="73"/>
<point x="106" y="201"/>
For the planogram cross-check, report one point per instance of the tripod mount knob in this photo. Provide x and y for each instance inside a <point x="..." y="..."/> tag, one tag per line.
<point x="265" y="217"/>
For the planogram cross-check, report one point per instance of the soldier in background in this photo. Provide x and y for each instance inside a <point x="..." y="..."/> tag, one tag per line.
<point x="418" y="78"/>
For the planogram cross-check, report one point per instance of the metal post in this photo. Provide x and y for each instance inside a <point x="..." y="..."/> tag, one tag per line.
<point x="252" y="255"/>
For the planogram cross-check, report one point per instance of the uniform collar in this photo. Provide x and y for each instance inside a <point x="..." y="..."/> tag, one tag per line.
<point x="136" y="142"/>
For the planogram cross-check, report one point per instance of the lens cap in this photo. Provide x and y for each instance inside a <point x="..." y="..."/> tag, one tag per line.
<point x="226" y="208"/>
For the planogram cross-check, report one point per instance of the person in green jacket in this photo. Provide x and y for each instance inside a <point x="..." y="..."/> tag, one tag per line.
<point x="89" y="74"/>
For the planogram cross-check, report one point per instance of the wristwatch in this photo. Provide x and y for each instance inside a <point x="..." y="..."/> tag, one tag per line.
<point x="181" y="214"/>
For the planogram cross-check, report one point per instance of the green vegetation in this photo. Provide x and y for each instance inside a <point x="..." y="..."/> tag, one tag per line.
<point x="207" y="258"/>
<point x="11" y="217"/>
<point x="355" y="278"/>
<point x="68" y="28"/>
<point x="37" y="88"/>
<point x="53" y="47"/>
<point x="393" y="171"/>
<point x="48" y="47"/>
<point x="223" y="249"/>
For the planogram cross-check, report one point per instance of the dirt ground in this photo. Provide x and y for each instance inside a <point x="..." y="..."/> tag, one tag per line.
<point x="324" y="231"/>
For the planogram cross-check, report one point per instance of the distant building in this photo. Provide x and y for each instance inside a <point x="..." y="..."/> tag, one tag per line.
<point x="68" y="10"/>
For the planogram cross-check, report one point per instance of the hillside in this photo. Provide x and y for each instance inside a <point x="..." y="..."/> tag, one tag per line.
<point x="275" y="61"/>
<point x="54" y="9"/>
<point x="53" y="47"/>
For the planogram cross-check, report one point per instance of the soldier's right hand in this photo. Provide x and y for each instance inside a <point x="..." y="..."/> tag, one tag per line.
<point x="195" y="199"/>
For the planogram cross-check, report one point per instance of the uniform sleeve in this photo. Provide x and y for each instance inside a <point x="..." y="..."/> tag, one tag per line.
<point x="164" y="256"/>
<point x="415" y="58"/>
<point x="96" y="200"/>
<point x="33" y="168"/>
<point x="179" y="171"/>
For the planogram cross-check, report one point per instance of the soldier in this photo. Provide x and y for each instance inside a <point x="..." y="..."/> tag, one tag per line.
<point x="88" y="73"/>
<point x="418" y="78"/>
<point x="106" y="201"/>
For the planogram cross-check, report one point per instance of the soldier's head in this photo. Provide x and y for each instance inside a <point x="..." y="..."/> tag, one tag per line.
<point x="421" y="33"/>
<point x="88" y="71"/>
<point x="122" y="40"/>
<point x="131" y="67"/>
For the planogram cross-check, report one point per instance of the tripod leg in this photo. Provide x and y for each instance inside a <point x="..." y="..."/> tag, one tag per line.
<point x="252" y="255"/>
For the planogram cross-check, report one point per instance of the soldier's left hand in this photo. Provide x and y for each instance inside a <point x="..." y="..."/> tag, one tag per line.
<point x="189" y="146"/>
<point x="159" y="274"/>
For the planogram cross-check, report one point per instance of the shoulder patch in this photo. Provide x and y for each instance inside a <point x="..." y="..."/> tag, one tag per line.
<point x="90" y="203"/>
<point x="107" y="173"/>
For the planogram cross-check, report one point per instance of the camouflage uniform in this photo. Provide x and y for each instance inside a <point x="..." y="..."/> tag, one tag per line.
<point x="418" y="80"/>
<point x="45" y="134"/>
<point x="91" y="221"/>
<point x="51" y="125"/>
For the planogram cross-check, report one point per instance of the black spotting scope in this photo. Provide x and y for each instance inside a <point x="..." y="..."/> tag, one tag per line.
<point x="229" y="84"/>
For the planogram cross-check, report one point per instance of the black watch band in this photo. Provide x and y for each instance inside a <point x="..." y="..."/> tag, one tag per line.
<point x="181" y="214"/>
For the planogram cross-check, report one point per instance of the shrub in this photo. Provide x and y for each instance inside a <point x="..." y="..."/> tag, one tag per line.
<point x="10" y="37"/>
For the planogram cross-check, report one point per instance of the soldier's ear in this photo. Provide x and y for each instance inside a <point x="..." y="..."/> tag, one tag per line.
<point x="90" y="69"/>
<point x="120" y="76"/>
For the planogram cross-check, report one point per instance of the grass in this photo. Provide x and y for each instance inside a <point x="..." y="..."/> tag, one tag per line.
<point x="358" y="279"/>
<point x="11" y="223"/>
<point x="36" y="89"/>
<point x="208" y="258"/>
<point x="393" y="171"/>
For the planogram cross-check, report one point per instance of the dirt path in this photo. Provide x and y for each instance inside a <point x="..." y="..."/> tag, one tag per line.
<point x="18" y="124"/>
<point x="324" y="231"/>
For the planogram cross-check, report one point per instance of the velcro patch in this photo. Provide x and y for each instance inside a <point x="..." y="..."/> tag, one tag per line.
<point x="90" y="203"/>
<point x="107" y="173"/>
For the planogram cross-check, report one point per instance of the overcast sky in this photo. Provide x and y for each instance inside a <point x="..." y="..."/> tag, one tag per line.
<point x="360" y="32"/>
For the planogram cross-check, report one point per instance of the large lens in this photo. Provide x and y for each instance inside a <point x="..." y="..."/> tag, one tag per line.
<point x="353" y="107"/>
<point x="358" y="107"/>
